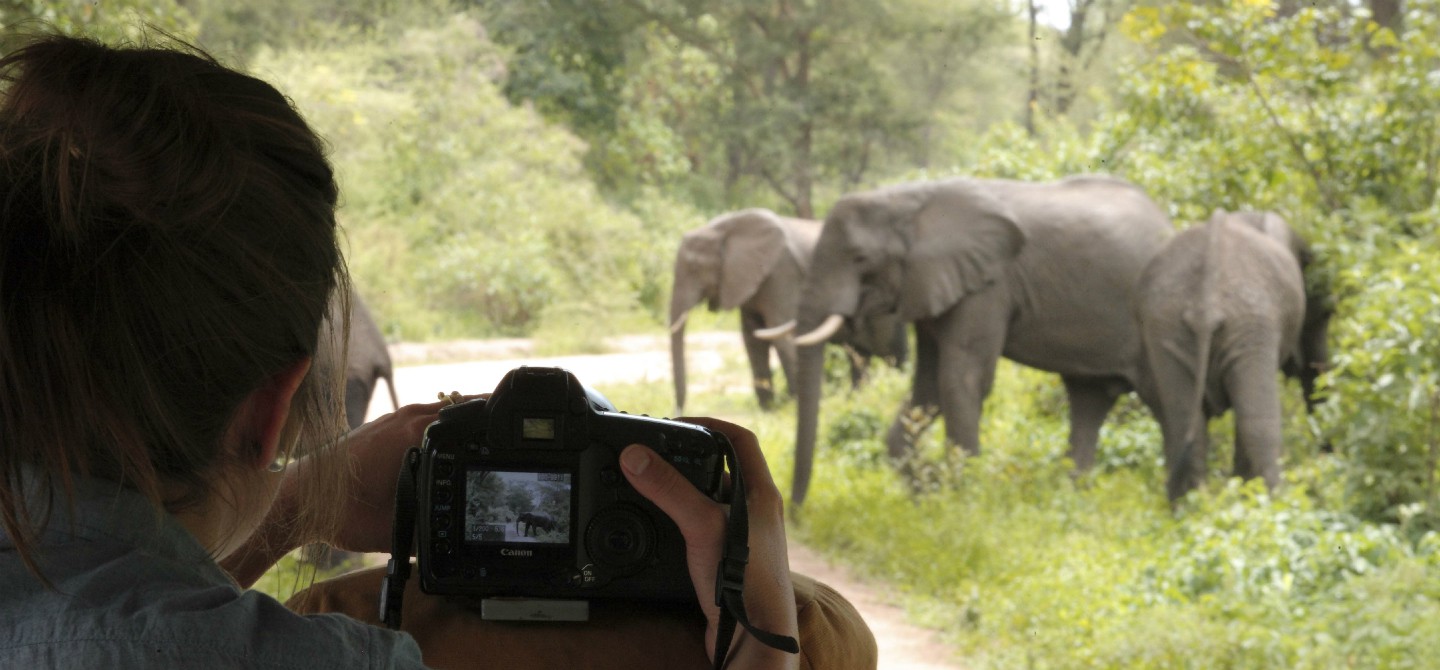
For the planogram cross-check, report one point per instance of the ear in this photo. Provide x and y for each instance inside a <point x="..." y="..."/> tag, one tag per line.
<point x="754" y="242"/>
<point x="260" y="419"/>
<point x="959" y="242"/>
<point x="697" y="270"/>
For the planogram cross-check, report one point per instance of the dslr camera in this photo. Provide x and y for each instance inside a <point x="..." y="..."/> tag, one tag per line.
<point x="521" y="496"/>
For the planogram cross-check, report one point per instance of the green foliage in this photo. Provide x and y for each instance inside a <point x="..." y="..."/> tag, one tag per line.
<point x="1020" y="567"/>
<point x="744" y="103"/>
<point x="1384" y="409"/>
<point x="464" y="215"/>
<point x="110" y="22"/>
<point x="1343" y="104"/>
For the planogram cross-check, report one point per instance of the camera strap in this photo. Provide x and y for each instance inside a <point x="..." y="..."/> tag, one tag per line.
<point x="730" y="577"/>
<point x="402" y="537"/>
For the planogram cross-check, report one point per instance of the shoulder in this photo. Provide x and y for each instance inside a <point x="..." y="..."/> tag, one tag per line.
<point x="183" y="623"/>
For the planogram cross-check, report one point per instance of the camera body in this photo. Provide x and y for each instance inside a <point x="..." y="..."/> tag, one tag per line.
<point x="522" y="495"/>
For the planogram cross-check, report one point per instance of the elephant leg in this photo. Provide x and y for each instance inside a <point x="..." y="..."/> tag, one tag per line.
<point x="758" y="351"/>
<point x="1090" y="402"/>
<point x="1255" y="395"/>
<point x="919" y="410"/>
<point x="859" y="365"/>
<point x="970" y="338"/>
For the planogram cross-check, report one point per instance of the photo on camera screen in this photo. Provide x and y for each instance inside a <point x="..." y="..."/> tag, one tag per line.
<point x="517" y="507"/>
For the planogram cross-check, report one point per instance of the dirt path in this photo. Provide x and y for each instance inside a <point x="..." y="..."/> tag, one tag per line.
<point x="902" y="645"/>
<point x="470" y="366"/>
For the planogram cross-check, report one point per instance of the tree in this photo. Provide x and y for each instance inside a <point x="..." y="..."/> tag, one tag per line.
<point x="121" y="20"/>
<point x="790" y="93"/>
<point x="1081" y="42"/>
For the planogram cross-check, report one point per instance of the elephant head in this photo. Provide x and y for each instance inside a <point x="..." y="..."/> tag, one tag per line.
<point x="893" y="255"/>
<point x="906" y="252"/>
<point x="751" y="260"/>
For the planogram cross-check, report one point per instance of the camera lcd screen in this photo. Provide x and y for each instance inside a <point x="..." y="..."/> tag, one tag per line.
<point x="532" y="428"/>
<point x="510" y="507"/>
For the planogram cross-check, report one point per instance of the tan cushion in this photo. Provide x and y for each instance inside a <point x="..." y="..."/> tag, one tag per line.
<point x="620" y="634"/>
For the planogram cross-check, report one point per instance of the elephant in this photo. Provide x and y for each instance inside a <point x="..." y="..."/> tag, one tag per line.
<point x="529" y="521"/>
<point x="367" y="360"/>
<point x="1040" y="273"/>
<point x="756" y="260"/>
<point x="1222" y="308"/>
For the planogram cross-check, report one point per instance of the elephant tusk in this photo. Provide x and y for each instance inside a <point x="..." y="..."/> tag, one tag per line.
<point x="679" y="324"/>
<point x="821" y="334"/>
<point x="775" y="332"/>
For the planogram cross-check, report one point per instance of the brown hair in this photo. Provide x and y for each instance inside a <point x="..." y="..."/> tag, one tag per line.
<point x="167" y="243"/>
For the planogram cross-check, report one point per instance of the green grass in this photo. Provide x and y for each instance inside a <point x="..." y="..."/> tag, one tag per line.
<point x="1021" y="565"/>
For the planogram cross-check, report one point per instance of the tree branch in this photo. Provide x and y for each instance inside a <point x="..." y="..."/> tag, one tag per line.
<point x="1294" y="142"/>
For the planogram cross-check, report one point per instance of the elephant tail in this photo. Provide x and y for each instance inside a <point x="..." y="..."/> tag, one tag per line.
<point x="1189" y="466"/>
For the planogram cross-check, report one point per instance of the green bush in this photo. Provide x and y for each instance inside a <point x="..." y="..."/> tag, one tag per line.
<point x="1384" y="394"/>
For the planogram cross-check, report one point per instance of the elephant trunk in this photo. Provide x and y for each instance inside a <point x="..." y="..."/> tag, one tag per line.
<point x="677" y="364"/>
<point x="807" y="395"/>
<point x="684" y="296"/>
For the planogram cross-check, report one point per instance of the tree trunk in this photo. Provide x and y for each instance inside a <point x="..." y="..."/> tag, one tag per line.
<point x="1388" y="13"/>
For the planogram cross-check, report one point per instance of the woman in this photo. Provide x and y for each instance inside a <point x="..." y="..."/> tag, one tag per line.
<point x="167" y="250"/>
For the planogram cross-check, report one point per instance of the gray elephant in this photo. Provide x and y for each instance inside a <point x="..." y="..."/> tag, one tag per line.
<point x="367" y="358"/>
<point x="755" y="260"/>
<point x="1040" y="273"/>
<point x="367" y="363"/>
<point x="1222" y="308"/>
<point x="526" y="524"/>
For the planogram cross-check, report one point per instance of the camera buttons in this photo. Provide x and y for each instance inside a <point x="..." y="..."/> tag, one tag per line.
<point x="619" y="537"/>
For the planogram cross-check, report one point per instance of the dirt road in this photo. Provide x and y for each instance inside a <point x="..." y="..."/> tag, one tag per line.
<point x="476" y="366"/>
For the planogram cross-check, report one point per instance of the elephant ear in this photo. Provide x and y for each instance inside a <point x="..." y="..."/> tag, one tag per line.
<point x="754" y="242"/>
<point x="960" y="240"/>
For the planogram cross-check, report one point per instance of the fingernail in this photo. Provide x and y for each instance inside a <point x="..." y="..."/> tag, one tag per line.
<point x="635" y="458"/>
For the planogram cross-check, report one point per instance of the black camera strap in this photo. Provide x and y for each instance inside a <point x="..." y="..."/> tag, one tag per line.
<point x="402" y="537"/>
<point x="730" y="576"/>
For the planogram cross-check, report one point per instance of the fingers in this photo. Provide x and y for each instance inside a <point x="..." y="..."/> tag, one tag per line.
<point x="760" y="486"/>
<point x="699" y="518"/>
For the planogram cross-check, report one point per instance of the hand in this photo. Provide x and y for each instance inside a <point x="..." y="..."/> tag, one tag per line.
<point x="769" y="596"/>
<point x="375" y="451"/>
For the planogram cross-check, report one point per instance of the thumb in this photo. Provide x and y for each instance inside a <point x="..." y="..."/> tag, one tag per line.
<point x="695" y="514"/>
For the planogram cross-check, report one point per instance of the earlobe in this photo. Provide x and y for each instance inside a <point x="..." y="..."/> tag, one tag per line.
<point x="265" y="411"/>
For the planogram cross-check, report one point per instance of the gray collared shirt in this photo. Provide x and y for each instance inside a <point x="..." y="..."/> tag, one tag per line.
<point x="133" y="589"/>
